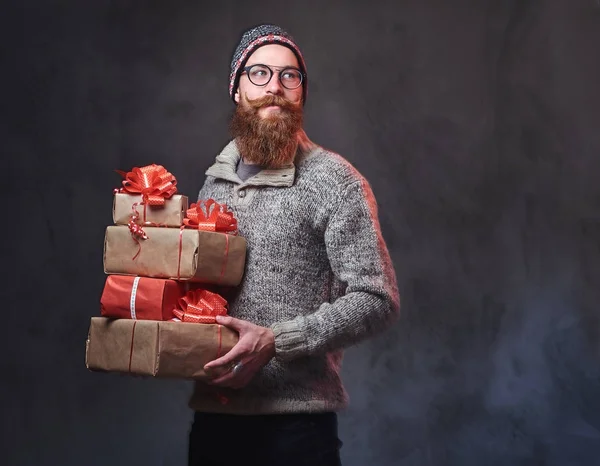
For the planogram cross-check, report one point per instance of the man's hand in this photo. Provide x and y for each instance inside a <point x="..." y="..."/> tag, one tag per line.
<point x="255" y="348"/>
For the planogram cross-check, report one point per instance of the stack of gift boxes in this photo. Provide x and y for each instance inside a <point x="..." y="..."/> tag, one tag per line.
<point x="165" y="262"/>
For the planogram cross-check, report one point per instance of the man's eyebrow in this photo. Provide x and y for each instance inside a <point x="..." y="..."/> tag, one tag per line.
<point x="272" y="66"/>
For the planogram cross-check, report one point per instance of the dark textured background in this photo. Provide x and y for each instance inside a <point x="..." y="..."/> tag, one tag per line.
<point x="476" y="123"/>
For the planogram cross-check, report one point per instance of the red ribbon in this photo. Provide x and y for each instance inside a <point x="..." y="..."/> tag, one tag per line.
<point x="153" y="182"/>
<point x="131" y="347"/>
<point x="203" y="307"/>
<point x="200" y="306"/>
<point x="209" y="215"/>
<point x="136" y="230"/>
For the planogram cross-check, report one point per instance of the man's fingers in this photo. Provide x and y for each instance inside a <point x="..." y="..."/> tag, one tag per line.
<point x="223" y="380"/>
<point x="231" y="322"/>
<point x="231" y="380"/>
<point x="233" y="355"/>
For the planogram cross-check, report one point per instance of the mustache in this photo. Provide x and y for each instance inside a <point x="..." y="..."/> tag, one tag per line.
<point x="269" y="100"/>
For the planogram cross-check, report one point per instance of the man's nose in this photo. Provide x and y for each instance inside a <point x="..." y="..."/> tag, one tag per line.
<point x="274" y="86"/>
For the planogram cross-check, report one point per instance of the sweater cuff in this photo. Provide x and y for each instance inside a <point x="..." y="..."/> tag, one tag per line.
<point x="290" y="340"/>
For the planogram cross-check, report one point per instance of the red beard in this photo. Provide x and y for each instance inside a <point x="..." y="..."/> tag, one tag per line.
<point x="269" y="141"/>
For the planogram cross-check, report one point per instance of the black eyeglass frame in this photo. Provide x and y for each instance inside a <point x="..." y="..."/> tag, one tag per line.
<point x="247" y="69"/>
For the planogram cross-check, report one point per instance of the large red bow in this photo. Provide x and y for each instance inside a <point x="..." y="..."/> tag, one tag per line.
<point x="200" y="306"/>
<point x="214" y="217"/>
<point x="153" y="182"/>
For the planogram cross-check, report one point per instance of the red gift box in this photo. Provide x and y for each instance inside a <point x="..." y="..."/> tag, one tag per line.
<point x="142" y="298"/>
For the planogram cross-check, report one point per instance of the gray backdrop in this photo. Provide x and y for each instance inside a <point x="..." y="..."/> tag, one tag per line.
<point x="476" y="123"/>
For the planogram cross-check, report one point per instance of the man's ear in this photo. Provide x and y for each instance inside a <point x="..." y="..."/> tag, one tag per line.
<point x="236" y="96"/>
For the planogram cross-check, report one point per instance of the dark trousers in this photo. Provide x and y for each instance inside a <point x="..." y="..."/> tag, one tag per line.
<point x="268" y="440"/>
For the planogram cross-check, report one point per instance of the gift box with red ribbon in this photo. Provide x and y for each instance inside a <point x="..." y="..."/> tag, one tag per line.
<point x="127" y="297"/>
<point x="149" y="194"/>
<point x="144" y="298"/>
<point x="154" y="348"/>
<point x="169" y="214"/>
<point x="206" y="249"/>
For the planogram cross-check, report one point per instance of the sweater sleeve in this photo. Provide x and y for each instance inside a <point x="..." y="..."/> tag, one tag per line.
<point x="359" y="258"/>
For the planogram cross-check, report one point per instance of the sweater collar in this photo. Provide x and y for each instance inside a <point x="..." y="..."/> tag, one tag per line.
<point x="225" y="167"/>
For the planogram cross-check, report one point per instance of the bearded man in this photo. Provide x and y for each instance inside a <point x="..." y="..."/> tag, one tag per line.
<point x="318" y="275"/>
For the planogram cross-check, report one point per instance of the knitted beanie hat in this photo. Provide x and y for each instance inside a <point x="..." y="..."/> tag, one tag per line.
<point x="255" y="38"/>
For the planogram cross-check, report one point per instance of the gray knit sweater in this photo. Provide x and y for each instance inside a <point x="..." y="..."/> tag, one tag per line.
<point x="317" y="272"/>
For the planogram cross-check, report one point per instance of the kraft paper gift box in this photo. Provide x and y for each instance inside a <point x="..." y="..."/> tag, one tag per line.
<point x="149" y="194"/>
<point x="171" y="214"/>
<point x="128" y="297"/>
<point x="177" y="254"/>
<point x="154" y="348"/>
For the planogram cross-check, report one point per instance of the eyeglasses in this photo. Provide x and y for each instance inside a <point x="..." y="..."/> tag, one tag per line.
<point x="260" y="75"/>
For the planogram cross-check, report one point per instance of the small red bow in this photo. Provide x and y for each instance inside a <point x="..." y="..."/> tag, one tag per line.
<point x="214" y="217"/>
<point x="136" y="230"/>
<point x="153" y="182"/>
<point x="200" y="306"/>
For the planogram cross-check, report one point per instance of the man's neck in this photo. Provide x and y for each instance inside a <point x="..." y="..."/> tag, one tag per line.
<point x="245" y="161"/>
